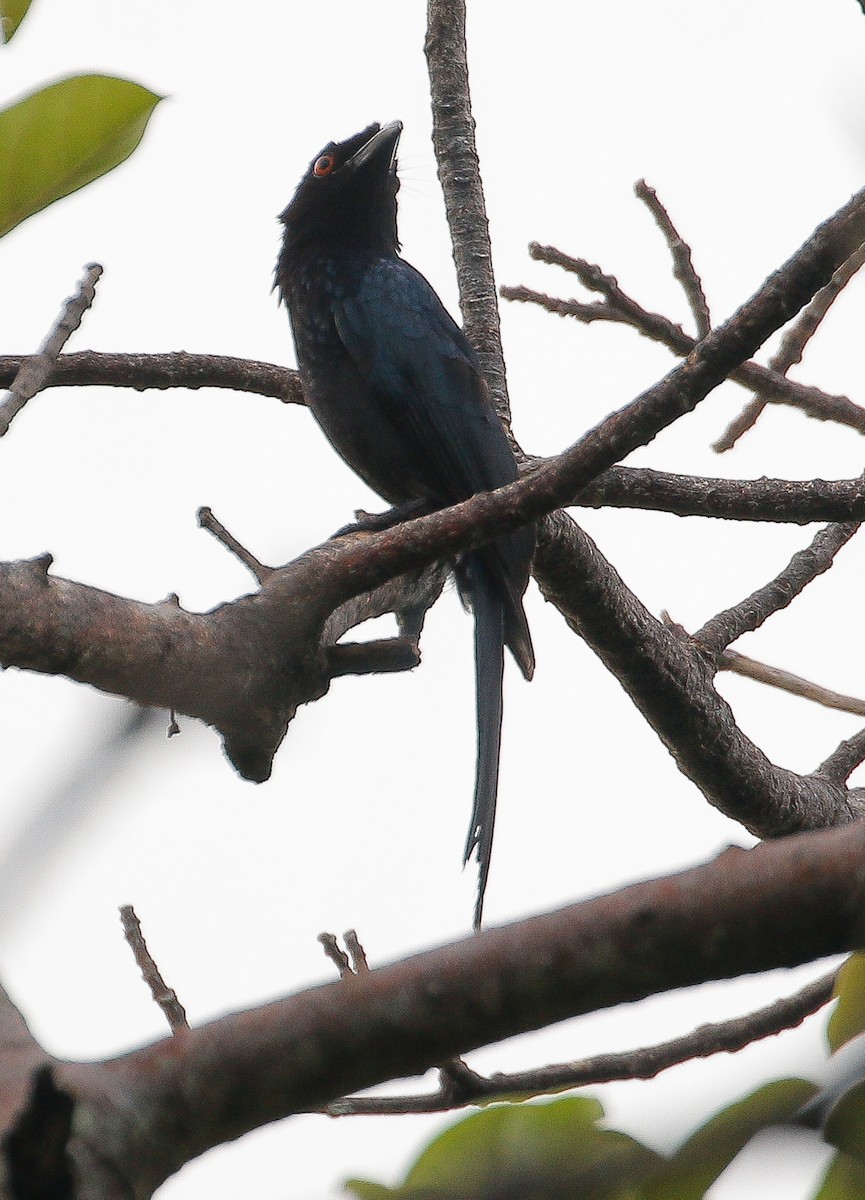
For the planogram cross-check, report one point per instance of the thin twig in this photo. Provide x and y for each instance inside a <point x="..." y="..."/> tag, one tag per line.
<point x="620" y="307"/>
<point x="356" y="952"/>
<point x="792" y="347"/>
<point x="683" y="266"/>
<point x="336" y="954"/>
<point x="843" y="761"/>
<point x="740" y="664"/>
<point x="803" y="568"/>
<point x="208" y="521"/>
<point x="34" y="371"/>
<point x="164" y="996"/>
<point x="645" y="1063"/>
<point x="624" y="307"/>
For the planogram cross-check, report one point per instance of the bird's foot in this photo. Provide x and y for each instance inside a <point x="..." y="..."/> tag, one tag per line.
<point x="366" y="522"/>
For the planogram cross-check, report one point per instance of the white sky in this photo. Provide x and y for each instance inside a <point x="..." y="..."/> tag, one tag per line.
<point x="747" y="116"/>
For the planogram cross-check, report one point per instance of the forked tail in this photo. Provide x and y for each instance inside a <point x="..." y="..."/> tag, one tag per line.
<point x="489" y="614"/>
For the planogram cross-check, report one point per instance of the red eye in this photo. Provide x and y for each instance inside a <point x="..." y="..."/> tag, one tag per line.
<point x="323" y="165"/>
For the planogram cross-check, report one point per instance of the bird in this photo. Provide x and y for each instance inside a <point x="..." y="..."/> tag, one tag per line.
<point x="398" y="391"/>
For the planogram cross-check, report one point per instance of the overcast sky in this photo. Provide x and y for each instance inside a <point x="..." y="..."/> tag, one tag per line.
<point x="748" y="117"/>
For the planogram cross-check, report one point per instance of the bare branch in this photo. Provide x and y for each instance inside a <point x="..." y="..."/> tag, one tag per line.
<point x="781" y="904"/>
<point x="208" y="521"/>
<point x="804" y="567"/>
<point x="792" y="346"/>
<point x="843" y="761"/>
<point x="459" y="174"/>
<point x="683" y="266"/>
<point x="672" y="686"/>
<point x="33" y="372"/>
<point x="740" y="664"/>
<point x="246" y="666"/>
<point x="89" y="368"/>
<point x="798" y="502"/>
<point x="619" y="307"/>
<point x="723" y="1037"/>
<point x="359" y="964"/>
<point x="243" y="668"/>
<point x="163" y="995"/>
<point x="379" y="657"/>
<point x="336" y="954"/>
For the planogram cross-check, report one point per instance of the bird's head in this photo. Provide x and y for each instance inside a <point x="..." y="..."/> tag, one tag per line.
<point x="348" y="194"/>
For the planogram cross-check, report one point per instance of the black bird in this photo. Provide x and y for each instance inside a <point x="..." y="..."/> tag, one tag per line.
<point x="397" y="389"/>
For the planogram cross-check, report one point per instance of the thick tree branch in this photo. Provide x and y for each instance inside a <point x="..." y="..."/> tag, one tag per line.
<point x="645" y="1063"/>
<point x="721" y="352"/>
<point x="844" y="760"/>
<point x="459" y="174"/>
<point x="672" y="686"/>
<point x="778" y="905"/>
<point x="556" y="483"/>
<point x="161" y="656"/>
<point x="244" y="668"/>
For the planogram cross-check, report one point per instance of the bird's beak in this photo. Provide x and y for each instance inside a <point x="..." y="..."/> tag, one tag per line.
<point x="380" y="147"/>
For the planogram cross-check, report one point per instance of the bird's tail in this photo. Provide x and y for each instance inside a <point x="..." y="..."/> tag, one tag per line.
<point x="489" y="615"/>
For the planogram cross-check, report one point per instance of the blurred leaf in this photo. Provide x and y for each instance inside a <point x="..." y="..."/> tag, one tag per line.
<point x="844" y="1180"/>
<point x="12" y="13"/>
<point x="848" y="1018"/>
<point x="845" y="1125"/>
<point x="64" y="136"/>
<point x="709" y="1151"/>
<point x="369" y="1191"/>
<point x="549" y="1151"/>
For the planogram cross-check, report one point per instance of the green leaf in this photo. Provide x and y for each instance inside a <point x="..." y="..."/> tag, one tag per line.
<point x="845" y="1125"/>
<point x="535" y="1151"/>
<point x="848" y="1018"/>
<point x="708" y="1152"/>
<point x="64" y="136"/>
<point x="844" y="1180"/>
<point x="369" y="1191"/>
<point x="12" y="13"/>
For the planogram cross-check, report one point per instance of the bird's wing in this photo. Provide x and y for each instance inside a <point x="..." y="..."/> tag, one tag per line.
<point x="424" y="371"/>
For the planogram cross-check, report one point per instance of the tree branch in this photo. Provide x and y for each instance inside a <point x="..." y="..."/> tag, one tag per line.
<point x="722" y="1037"/>
<point x="161" y="656"/>
<point x="459" y="174"/>
<point x="619" y="307"/>
<point x="781" y="904"/>
<point x="793" y="345"/>
<point x="740" y="664"/>
<point x="34" y="371"/>
<point x="804" y="567"/>
<point x="797" y="502"/>
<point x="683" y="266"/>
<point x="244" y="668"/>
<point x="672" y="686"/>
<point x="89" y="368"/>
